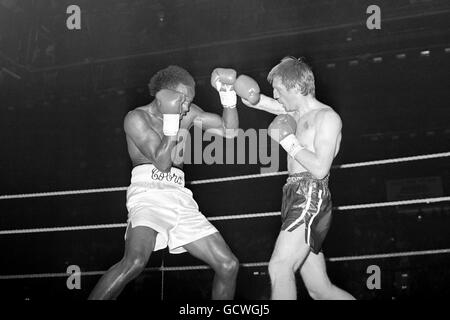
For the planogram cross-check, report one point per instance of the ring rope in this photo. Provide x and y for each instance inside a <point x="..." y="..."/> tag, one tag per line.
<point x="394" y="160"/>
<point x="224" y="179"/>
<point x="245" y="216"/>
<point x="68" y="228"/>
<point x="391" y="203"/>
<point x="61" y="193"/>
<point x="390" y="255"/>
<point x="241" y="177"/>
<point x="339" y="166"/>
<point x="229" y="217"/>
<point x="246" y="265"/>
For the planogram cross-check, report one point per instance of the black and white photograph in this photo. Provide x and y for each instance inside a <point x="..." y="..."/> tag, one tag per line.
<point x="187" y="151"/>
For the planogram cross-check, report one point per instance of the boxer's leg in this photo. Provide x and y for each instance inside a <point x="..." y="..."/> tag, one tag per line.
<point x="289" y="253"/>
<point x="316" y="280"/>
<point x="138" y="247"/>
<point x="214" y="251"/>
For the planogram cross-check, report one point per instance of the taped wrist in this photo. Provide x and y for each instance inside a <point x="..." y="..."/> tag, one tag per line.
<point x="291" y="145"/>
<point x="171" y="124"/>
<point x="228" y="96"/>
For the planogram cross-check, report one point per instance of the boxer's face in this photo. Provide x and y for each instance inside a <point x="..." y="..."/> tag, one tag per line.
<point x="189" y="94"/>
<point x="284" y="96"/>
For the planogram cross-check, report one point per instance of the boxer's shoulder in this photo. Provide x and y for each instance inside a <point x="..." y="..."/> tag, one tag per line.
<point x="139" y="120"/>
<point x="329" y="116"/>
<point x="136" y="115"/>
<point x="189" y="118"/>
<point x="324" y="113"/>
<point x="195" y="113"/>
<point x="194" y="110"/>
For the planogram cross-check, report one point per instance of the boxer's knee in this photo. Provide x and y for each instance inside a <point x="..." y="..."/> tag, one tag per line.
<point x="279" y="267"/>
<point x="228" y="267"/>
<point x="134" y="264"/>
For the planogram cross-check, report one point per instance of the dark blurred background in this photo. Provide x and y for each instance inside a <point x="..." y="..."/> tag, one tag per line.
<point x="64" y="94"/>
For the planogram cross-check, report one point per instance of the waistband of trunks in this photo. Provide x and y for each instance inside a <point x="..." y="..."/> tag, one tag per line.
<point x="305" y="176"/>
<point x="149" y="173"/>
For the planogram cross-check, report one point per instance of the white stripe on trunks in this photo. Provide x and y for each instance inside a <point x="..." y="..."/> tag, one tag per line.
<point x="313" y="217"/>
<point x="308" y="204"/>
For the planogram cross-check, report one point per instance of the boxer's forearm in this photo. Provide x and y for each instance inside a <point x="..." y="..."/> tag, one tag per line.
<point x="319" y="168"/>
<point x="225" y="126"/>
<point x="267" y="104"/>
<point x="163" y="154"/>
<point x="230" y="119"/>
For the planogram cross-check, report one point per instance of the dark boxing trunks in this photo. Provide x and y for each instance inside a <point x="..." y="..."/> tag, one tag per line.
<point x="307" y="200"/>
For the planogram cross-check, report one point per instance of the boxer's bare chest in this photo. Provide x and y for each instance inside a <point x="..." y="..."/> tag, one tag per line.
<point x="156" y="124"/>
<point x="306" y="130"/>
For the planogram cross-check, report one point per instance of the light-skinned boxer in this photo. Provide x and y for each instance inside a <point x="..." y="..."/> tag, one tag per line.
<point x="310" y="132"/>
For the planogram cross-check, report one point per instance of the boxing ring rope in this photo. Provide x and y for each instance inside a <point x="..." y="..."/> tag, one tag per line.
<point x="231" y="217"/>
<point x="341" y="166"/>
<point x="225" y="179"/>
<point x="245" y="265"/>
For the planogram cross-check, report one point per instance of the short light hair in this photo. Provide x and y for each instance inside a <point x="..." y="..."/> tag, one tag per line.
<point x="170" y="78"/>
<point x="294" y="73"/>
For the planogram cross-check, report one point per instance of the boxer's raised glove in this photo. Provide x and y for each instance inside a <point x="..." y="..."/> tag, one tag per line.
<point x="169" y="103"/>
<point x="282" y="130"/>
<point x="247" y="89"/>
<point x="223" y="80"/>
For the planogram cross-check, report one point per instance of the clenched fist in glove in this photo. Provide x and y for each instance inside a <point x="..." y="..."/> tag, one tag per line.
<point x="169" y="103"/>
<point x="282" y="130"/>
<point x="223" y="80"/>
<point x="247" y="89"/>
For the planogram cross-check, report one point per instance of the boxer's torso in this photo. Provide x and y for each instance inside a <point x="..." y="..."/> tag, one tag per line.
<point x="306" y="133"/>
<point x="156" y="123"/>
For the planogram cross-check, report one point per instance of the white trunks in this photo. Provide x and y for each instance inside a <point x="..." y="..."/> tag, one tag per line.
<point x="160" y="201"/>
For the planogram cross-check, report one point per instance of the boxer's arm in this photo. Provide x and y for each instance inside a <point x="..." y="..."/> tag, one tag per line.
<point x="157" y="150"/>
<point x="225" y="126"/>
<point x="328" y="128"/>
<point x="266" y="104"/>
